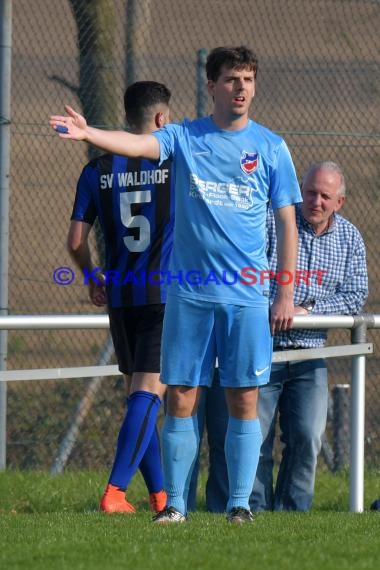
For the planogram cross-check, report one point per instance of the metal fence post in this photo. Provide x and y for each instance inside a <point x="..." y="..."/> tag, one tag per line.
<point x="358" y="334"/>
<point x="5" y="134"/>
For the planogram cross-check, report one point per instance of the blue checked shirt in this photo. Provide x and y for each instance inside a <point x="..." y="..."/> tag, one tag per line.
<point x="341" y="289"/>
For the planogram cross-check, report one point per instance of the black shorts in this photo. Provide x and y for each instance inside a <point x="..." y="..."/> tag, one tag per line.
<point x="136" y="334"/>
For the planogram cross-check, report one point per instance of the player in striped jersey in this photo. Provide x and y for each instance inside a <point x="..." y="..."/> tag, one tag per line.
<point x="133" y="200"/>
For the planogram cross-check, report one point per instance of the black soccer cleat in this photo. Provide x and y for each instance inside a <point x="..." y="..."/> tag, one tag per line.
<point x="239" y="515"/>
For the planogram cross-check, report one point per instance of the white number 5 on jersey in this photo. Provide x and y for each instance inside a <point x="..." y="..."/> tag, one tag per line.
<point x="129" y="221"/>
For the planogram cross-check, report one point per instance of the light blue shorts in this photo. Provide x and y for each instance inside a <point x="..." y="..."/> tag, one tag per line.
<point x="195" y="333"/>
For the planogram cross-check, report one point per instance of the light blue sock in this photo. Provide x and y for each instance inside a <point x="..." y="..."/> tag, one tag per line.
<point x="180" y="440"/>
<point x="242" y="449"/>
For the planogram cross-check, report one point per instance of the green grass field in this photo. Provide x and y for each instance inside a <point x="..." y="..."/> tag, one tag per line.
<point x="52" y="522"/>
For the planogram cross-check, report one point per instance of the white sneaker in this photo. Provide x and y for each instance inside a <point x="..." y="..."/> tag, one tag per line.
<point x="169" y="515"/>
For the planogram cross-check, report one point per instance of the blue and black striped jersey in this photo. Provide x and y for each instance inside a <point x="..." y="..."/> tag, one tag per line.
<point x="134" y="202"/>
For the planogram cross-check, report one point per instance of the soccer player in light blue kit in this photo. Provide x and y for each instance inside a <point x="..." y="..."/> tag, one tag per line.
<point x="228" y="168"/>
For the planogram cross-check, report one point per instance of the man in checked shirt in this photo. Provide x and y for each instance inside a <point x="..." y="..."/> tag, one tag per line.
<point x="332" y="280"/>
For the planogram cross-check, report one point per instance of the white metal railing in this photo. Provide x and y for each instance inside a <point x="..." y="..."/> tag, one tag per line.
<point x="357" y="350"/>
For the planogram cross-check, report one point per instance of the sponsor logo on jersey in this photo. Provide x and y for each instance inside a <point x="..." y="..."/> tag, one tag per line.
<point x="249" y="161"/>
<point x="221" y="193"/>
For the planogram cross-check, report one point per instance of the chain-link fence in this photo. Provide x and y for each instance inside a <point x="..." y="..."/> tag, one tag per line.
<point x="318" y="85"/>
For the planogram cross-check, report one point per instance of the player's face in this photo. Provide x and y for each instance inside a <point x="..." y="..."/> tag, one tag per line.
<point x="321" y="198"/>
<point x="233" y="92"/>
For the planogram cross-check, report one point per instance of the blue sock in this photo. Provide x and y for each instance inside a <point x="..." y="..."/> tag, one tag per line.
<point x="180" y="438"/>
<point x="150" y="465"/>
<point x="242" y="448"/>
<point x="134" y="436"/>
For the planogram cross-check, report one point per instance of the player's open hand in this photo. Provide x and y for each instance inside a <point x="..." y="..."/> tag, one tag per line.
<point x="73" y="126"/>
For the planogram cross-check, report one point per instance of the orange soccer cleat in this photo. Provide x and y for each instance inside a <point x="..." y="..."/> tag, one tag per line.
<point x="158" y="501"/>
<point x="114" y="501"/>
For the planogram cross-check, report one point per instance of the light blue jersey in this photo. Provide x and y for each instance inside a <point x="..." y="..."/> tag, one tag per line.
<point x="224" y="181"/>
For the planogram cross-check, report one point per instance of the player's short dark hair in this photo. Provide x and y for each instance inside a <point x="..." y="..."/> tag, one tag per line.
<point x="140" y="96"/>
<point x="239" y="58"/>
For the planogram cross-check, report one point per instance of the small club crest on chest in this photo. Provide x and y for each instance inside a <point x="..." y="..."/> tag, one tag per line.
<point x="249" y="161"/>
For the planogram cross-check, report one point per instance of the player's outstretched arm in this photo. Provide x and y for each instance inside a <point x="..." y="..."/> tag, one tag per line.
<point x="74" y="126"/>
